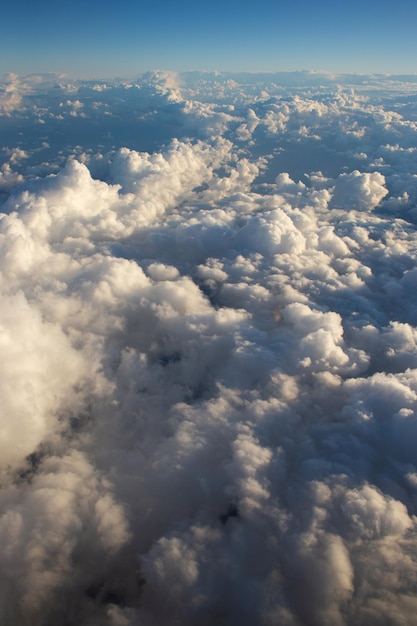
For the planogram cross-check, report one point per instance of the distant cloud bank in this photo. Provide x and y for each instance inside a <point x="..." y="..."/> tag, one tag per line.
<point x="208" y="326"/>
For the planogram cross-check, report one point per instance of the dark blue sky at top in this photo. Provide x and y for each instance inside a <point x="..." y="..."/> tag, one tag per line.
<point x="126" y="38"/>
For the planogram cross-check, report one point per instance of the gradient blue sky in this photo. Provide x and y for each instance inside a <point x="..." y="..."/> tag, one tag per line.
<point x="104" y="39"/>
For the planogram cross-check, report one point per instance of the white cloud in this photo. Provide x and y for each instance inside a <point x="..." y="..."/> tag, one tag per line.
<point x="38" y="374"/>
<point x="209" y="380"/>
<point x="10" y="97"/>
<point x="359" y="191"/>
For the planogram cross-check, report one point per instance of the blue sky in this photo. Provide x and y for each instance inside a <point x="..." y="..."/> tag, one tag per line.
<point x="126" y="38"/>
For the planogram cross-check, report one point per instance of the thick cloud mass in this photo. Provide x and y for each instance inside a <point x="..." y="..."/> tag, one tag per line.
<point x="209" y="375"/>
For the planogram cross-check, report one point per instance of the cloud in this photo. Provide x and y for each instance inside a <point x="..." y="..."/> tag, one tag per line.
<point x="55" y="533"/>
<point x="209" y="385"/>
<point x="361" y="191"/>
<point x="10" y="97"/>
<point x="38" y="375"/>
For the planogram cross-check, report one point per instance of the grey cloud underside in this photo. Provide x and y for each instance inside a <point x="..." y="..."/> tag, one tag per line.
<point x="208" y="321"/>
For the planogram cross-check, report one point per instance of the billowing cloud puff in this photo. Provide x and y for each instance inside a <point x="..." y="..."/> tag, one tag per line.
<point x="38" y="373"/>
<point x="10" y="97"/>
<point x="209" y="374"/>
<point x="359" y="191"/>
<point x="60" y="525"/>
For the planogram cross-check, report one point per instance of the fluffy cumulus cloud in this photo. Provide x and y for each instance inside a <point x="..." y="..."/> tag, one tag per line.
<point x="361" y="191"/>
<point x="209" y="373"/>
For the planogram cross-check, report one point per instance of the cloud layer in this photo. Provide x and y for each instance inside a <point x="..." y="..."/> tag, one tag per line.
<point x="209" y="383"/>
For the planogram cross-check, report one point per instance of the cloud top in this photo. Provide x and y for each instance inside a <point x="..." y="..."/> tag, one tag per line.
<point x="209" y="388"/>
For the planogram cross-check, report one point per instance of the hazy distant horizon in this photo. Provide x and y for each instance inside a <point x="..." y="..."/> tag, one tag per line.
<point x="301" y="74"/>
